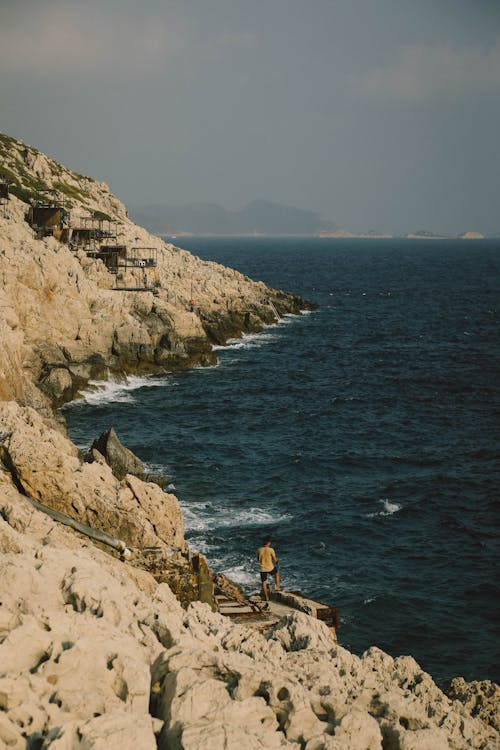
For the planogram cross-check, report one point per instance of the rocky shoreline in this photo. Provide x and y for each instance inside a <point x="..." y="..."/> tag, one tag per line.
<point x="98" y="652"/>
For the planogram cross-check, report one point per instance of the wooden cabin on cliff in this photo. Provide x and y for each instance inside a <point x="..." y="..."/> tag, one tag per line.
<point x="4" y="190"/>
<point x="49" y="217"/>
<point x="4" y="195"/>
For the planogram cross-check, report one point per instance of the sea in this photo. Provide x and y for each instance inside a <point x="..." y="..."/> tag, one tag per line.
<point x="363" y="437"/>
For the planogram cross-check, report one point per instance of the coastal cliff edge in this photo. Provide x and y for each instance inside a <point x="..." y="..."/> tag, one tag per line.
<point x="98" y="653"/>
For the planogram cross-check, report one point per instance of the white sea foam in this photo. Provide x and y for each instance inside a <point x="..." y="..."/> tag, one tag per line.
<point x="118" y="391"/>
<point x="203" y="517"/>
<point x="388" y="509"/>
<point x="247" y="341"/>
<point x="152" y="468"/>
<point x="242" y="574"/>
<point x="194" y="518"/>
<point x="288" y="318"/>
<point x="248" y="517"/>
<point x="203" y="545"/>
<point x="206" y="368"/>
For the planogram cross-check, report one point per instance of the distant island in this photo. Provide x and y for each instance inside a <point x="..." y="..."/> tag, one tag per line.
<point x="260" y="218"/>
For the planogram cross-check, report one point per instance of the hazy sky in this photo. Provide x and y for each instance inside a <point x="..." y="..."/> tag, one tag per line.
<point x="376" y="113"/>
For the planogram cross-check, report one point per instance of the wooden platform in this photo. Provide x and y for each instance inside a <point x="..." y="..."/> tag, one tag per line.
<point x="251" y="611"/>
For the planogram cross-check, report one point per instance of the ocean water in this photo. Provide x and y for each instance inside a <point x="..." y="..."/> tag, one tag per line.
<point x="363" y="437"/>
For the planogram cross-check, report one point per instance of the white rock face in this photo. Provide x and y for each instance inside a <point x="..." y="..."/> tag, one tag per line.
<point x="94" y="653"/>
<point x="48" y="468"/>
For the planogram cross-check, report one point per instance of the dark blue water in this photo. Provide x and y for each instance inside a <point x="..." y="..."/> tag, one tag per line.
<point x="364" y="437"/>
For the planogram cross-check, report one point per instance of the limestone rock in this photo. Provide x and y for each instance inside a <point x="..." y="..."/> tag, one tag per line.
<point x="10" y="736"/>
<point x="90" y="646"/>
<point x="46" y="466"/>
<point x="162" y="509"/>
<point x="58" y="385"/>
<point x="117" y="731"/>
<point x="121" y="460"/>
<point x="298" y="631"/>
<point x="481" y="698"/>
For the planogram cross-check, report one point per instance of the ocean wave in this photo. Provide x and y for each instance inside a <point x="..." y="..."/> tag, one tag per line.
<point x="153" y="468"/>
<point x="117" y="391"/>
<point x="204" y="517"/>
<point x="251" y="517"/>
<point x="288" y="318"/>
<point x="206" y="547"/>
<point x="247" y="341"/>
<point x="205" y="368"/>
<point x="242" y="575"/>
<point x="192" y="515"/>
<point x="388" y="509"/>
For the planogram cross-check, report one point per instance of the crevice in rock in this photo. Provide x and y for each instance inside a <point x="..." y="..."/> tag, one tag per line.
<point x="35" y="741"/>
<point x="9" y="465"/>
<point x="120" y="688"/>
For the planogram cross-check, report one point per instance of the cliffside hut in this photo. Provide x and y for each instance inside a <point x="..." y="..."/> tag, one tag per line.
<point x="49" y="216"/>
<point x="4" y="195"/>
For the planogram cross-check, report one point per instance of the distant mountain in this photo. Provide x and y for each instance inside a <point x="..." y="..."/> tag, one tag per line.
<point x="258" y="217"/>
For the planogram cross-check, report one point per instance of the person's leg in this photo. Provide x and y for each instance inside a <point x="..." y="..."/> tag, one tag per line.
<point x="265" y="593"/>
<point x="277" y="580"/>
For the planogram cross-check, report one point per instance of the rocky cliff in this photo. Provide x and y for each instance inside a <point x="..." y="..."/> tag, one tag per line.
<point x="64" y="322"/>
<point x="96" y="652"/>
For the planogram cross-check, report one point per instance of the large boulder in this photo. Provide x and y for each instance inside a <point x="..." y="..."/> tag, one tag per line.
<point x="121" y="460"/>
<point x="47" y="467"/>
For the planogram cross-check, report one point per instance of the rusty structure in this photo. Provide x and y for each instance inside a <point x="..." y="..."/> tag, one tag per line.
<point x="4" y="195"/>
<point x="134" y="268"/>
<point x="93" y="233"/>
<point x="251" y="611"/>
<point x="137" y="270"/>
<point x="49" y="217"/>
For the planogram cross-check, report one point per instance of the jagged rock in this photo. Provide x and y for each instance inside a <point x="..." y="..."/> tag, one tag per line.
<point x="10" y="736"/>
<point x="232" y="590"/>
<point x="118" y="730"/>
<point x="298" y="631"/>
<point x="58" y="385"/>
<point x="99" y="654"/>
<point x="46" y="466"/>
<point x="356" y="730"/>
<point x="161" y="509"/>
<point x="121" y="460"/>
<point x="481" y="698"/>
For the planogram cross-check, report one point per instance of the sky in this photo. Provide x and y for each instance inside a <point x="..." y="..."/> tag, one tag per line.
<point x="378" y="114"/>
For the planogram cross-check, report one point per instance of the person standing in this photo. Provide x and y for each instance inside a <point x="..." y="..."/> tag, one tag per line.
<point x="268" y="562"/>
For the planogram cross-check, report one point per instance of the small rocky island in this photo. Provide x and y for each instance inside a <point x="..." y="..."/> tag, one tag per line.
<point x="110" y="636"/>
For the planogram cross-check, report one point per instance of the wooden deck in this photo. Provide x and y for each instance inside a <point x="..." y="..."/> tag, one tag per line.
<point x="251" y="611"/>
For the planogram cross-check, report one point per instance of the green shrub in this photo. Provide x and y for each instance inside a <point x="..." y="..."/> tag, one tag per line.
<point x="101" y="215"/>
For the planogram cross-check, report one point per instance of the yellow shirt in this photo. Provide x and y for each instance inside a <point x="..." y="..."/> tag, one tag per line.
<point x="267" y="559"/>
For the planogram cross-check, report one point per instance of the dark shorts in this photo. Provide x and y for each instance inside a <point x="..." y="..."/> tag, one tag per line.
<point x="265" y="573"/>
